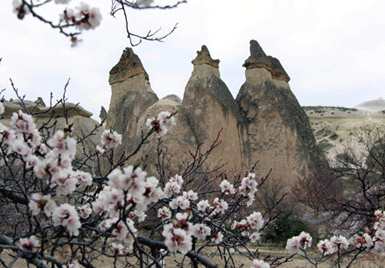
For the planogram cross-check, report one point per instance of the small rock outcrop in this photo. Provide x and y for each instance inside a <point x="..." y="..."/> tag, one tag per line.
<point x="77" y="116"/>
<point x="38" y="107"/>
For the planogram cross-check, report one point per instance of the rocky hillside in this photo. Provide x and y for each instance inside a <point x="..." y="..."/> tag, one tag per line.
<point x="336" y="128"/>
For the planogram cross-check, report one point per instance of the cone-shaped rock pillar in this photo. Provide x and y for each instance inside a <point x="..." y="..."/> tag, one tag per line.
<point x="131" y="97"/>
<point x="276" y="132"/>
<point x="210" y="108"/>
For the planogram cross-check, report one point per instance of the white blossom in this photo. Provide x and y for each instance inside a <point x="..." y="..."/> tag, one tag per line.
<point x="63" y="144"/>
<point x="218" y="238"/>
<point x="20" y="10"/>
<point x="255" y="220"/>
<point x="180" y="202"/>
<point x="227" y="187"/>
<point x="89" y="17"/>
<point x="161" y="124"/>
<point x="111" y="139"/>
<point x="67" y="216"/>
<point x="85" y="211"/>
<point x="117" y="248"/>
<point x="201" y="231"/>
<point x="298" y="243"/>
<point x="254" y="237"/>
<point x="260" y="264"/>
<point x="29" y="243"/>
<point x="164" y="213"/>
<point x="325" y="247"/>
<point x="203" y="205"/>
<point x="339" y="241"/>
<point x="40" y="203"/>
<point x="178" y="240"/>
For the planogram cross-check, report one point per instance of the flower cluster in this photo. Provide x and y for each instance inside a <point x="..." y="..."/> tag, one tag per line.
<point x="249" y="187"/>
<point x="179" y="232"/>
<point x="227" y="187"/>
<point x="110" y="139"/>
<point x="40" y="203"/>
<point x="125" y="196"/>
<point x="328" y="247"/>
<point x="339" y="243"/>
<point x="379" y="226"/>
<point x="162" y="123"/>
<point x="66" y="215"/>
<point x="129" y="192"/>
<point x="298" y="243"/>
<point x="83" y="16"/>
<point x="250" y="226"/>
<point x="53" y="166"/>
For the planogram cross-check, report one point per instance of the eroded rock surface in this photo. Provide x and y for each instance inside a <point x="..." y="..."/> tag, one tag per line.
<point x="131" y="96"/>
<point x="264" y="123"/>
<point x="210" y="108"/>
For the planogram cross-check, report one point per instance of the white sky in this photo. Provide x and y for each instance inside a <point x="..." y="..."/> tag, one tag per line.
<point x="334" y="51"/>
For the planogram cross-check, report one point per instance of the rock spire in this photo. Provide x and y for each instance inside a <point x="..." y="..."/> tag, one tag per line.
<point x="265" y="123"/>
<point x="128" y="66"/>
<point x="131" y="96"/>
<point x="277" y="131"/>
<point x="258" y="59"/>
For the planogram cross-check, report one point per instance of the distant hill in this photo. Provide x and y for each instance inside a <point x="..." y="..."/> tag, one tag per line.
<point x="372" y="105"/>
<point x="336" y="128"/>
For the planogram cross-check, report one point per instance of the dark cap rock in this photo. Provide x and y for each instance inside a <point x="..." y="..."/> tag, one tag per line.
<point x="258" y="59"/>
<point x="103" y="113"/>
<point x="204" y="57"/>
<point x="128" y="66"/>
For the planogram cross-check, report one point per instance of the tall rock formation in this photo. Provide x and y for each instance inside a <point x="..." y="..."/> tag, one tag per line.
<point x="276" y="132"/>
<point x="210" y="108"/>
<point x="264" y="123"/>
<point x="131" y="96"/>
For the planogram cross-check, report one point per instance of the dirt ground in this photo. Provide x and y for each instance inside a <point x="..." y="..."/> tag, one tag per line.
<point x="365" y="260"/>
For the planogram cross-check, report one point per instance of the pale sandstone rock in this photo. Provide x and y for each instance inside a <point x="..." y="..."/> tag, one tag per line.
<point x="130" y="98"/>
<point x="39" y="108"/>
<point x="79" y="118"/>
<point x="210" y="108"/>
<point x="177" y="142"/>
<point x="265" y="123"/>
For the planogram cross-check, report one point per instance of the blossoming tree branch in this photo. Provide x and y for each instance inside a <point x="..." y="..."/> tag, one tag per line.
<point x="73" y="20"/>
<point x="102" y="213"/>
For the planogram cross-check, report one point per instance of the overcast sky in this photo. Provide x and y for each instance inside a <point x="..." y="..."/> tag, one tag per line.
<point x="334" y="51"/>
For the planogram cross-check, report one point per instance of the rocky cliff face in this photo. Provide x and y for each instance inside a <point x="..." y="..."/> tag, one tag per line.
<point x="264" y="123"/>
